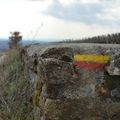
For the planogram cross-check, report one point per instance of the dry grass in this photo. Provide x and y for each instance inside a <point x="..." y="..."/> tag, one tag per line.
<point x="14" y="90"/>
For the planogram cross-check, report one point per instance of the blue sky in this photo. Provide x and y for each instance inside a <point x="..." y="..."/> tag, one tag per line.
<point x="59" y="19"/>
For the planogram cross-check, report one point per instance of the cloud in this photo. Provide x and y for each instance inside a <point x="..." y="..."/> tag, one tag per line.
<point x="102" y="12"/>
<point x="61" y="18"/>
<point x="36" y="0"/>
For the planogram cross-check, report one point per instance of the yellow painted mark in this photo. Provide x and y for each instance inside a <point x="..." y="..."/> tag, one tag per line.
<point x="91" y="58"/>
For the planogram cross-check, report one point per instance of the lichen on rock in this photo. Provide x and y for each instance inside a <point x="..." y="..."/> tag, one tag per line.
<point x="82" y="88"/>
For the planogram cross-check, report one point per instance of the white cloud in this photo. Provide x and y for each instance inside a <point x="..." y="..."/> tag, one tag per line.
<point x="90" y="1"/>
<point x="111" y="12"/>
<point x="26" y="16"/>
<point x="20" y="15"/>
<point x="79" y="1"/>
<point x="64" y="29"/>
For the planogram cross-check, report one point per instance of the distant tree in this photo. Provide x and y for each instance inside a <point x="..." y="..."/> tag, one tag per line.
<point x="14" y="40"/>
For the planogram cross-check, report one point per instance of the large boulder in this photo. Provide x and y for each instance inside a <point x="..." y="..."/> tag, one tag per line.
<point x="75" y="82"/>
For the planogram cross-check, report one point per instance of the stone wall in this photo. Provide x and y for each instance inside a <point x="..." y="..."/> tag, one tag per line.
<point x="74" y="82"/>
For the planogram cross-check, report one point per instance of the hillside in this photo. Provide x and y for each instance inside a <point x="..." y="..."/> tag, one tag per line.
<point x="103" y="39"/>
<point x="3" y="45"/>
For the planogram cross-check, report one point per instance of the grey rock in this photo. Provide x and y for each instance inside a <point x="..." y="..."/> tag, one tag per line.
<point x="70" y="93"/>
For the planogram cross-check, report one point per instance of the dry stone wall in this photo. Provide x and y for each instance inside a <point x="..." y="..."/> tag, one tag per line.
<point x="74" y="82"/>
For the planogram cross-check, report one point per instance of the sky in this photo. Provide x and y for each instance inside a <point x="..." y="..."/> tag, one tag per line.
<point x="59" y="19"/>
